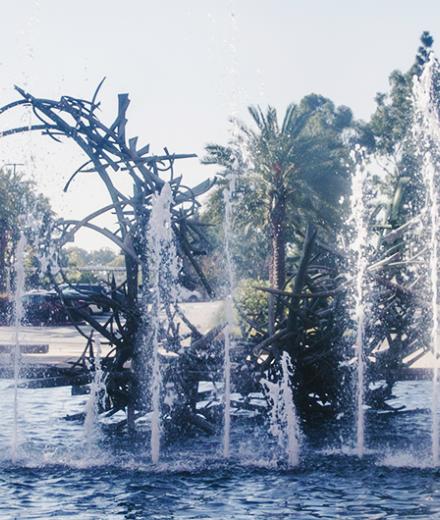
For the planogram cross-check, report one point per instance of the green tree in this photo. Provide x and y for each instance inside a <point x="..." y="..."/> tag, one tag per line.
<point x="22" y="208"/>
<point x="103" y="256"/>
<point x="77" y="258"/>
<point x="392" y="118"/>
<point x="391" y="126"/>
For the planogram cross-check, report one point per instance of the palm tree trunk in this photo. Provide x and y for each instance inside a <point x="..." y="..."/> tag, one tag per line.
<point x="277" y="230"/>
<point x="277" y="238"/>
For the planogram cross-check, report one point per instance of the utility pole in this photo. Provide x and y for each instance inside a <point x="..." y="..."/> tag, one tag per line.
<point x="8" y="165"/>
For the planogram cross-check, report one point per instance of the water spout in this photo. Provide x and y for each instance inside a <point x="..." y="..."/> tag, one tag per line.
<point x="18" y="310"/>
<point x="163" y="271"/>
<point x="97" y="396"/>
<point x="227" y="197"/>
<point x="290" y="412"/>
<point x="284" y="425"/>
<point x="359" y="231"/>
<point x="426" y="133"/>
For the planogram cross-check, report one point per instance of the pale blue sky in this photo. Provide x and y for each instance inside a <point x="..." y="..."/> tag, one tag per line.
<point x="187" y="64"/>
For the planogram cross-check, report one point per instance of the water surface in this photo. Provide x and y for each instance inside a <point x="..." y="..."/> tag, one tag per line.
<point x="57" y="476"/>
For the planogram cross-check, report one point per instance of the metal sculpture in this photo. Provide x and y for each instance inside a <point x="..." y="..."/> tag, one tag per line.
<point x="111" y="154"/>
<point x="313" y="325"/>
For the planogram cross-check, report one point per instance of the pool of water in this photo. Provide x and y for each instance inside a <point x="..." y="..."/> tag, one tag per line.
<point x="58" y="475"/>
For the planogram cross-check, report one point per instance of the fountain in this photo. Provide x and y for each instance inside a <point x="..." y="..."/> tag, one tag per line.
<point x="291" y="421"/>
<point x="95" y="403"/>
<point x="284" y="425"/>
<point x="163" y="272"/>
<point x="426" y="133"/>
<point x="359" y="232"/>
<point x="228" y="193"/>
<point x="294" y="351"/>
<point x="18" y="315"/>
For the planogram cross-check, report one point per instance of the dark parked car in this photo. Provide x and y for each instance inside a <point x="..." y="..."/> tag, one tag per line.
<point x="47" y="307"/>
<point x="44" y="307"/>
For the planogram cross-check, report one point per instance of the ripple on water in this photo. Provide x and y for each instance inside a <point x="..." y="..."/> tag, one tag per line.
<point x="55" y="478"/>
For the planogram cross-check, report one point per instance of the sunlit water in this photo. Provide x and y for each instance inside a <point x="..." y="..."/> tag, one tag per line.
<point x="56" y="478"/>
<point x="359" y="225"/>
<point x="229" y="304"/>
<point x="426" y="133"/>
<point x="284" y="425"/>
<point x="163" y="280"/>
<point x="18" y="312"/>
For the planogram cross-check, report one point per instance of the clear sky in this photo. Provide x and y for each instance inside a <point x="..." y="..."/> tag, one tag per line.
<point x="189" y="64"/>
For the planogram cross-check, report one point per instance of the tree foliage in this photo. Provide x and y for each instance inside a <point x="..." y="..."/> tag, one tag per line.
<point x="77" y="258"/>
<point x="289" y="172"/>
<point x="393" y="115"/>
<point x="22" y="208"/>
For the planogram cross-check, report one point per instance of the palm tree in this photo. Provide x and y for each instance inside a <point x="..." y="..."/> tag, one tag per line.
<point x="297" y="169"/>
<point x="272" y="148"/>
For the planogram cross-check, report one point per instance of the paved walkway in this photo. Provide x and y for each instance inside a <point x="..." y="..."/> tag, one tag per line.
<point x="66" y="344"/>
